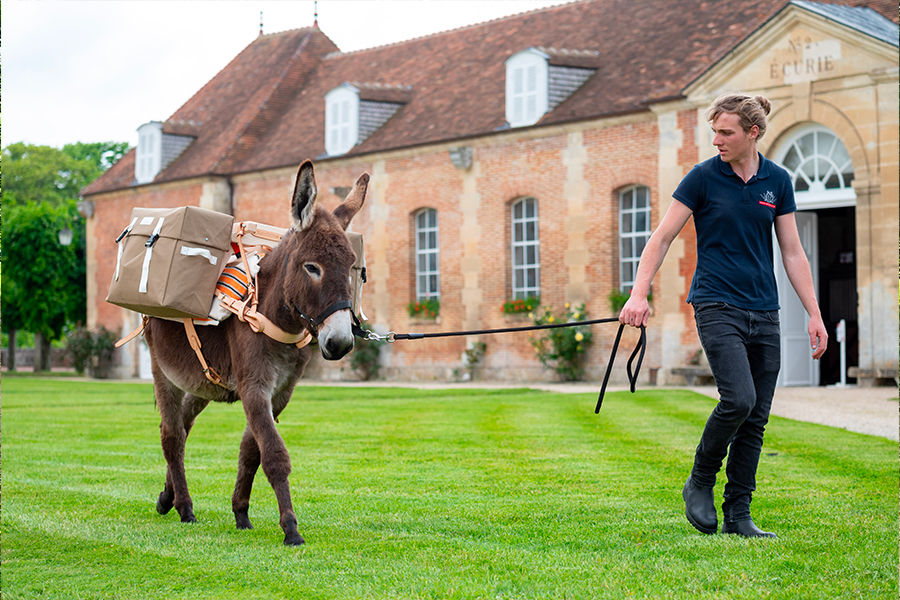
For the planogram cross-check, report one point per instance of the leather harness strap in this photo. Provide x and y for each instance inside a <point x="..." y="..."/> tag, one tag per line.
<point x="194" y="341"/>
<point x="135" y="333"/>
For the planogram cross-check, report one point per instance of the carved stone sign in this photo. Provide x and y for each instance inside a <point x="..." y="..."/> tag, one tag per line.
<point x="805" y="59"/>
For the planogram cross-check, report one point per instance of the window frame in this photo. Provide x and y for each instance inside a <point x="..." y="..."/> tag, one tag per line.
<point x="341" y="119"/>
<point x="631" y="237"/>
<point x="148" y="155"/>
<point x="521" y="63"/>
<point x="816" y="195"/>
<point x="525" y="291"/>
<point x="427" y="252"/>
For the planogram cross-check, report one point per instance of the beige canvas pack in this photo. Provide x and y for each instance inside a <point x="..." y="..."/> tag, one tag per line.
<point x="169" y="259"/>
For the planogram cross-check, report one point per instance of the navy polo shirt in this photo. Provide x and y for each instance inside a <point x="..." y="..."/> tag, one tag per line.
<point x="734" y="231"/>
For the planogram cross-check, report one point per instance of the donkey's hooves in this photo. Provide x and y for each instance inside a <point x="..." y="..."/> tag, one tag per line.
<point x="165" y="502"/>
<point x="293" y="539"/>
<point x="242" y="520"/>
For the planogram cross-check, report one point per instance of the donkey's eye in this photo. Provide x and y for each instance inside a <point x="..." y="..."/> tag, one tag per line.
<point x="313" y="270"/>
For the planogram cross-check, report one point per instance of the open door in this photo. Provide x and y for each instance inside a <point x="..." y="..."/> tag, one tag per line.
<point x="797" y="365"/>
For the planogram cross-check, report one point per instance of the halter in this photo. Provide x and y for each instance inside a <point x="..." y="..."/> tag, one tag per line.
<point x="313" y="324"/>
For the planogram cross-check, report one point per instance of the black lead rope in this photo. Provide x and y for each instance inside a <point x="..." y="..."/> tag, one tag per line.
<point x="638" y="352"/>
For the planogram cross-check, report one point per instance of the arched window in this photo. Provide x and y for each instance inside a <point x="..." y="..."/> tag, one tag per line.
<point x="526" y="256"/>
<point x="820" y="167"/>
<point x="634" y="231"/>
<point x="428" y="276"/>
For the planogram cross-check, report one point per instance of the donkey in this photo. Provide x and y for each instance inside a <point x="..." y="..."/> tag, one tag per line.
<point x="308" y="272"/>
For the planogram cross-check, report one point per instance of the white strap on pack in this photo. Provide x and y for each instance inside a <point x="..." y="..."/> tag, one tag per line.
<point x="186" y="251"/>
<point x="145" y="268"/>
<point x="122" y="246"/>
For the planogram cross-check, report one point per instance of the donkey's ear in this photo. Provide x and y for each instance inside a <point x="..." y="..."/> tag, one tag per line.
<point x="355" y="199"/>
<point x="304" y="198"/>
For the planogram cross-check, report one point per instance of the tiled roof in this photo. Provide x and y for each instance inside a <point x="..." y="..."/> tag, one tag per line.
<point x="266" y="109"/>
<point x="862" y="19"/>
<point x="232" y="111"/>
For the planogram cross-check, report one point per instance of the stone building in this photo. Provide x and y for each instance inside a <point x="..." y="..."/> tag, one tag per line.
<point x="533" y="155"/>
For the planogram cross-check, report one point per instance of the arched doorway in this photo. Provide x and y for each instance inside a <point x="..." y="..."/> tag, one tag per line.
<point x="822" y="172"/>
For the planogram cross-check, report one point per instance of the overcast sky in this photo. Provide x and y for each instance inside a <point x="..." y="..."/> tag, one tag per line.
<point x="91" y="71"/>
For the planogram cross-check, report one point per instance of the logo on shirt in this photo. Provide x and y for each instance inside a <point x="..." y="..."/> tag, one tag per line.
<point x="768" y="199"/>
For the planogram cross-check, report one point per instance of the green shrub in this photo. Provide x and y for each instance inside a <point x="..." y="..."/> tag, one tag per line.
<point x="472" y="357"/>
<point x="366" y="356"/>
<point x="563" y="349"/>
<point x="91" y="351"/>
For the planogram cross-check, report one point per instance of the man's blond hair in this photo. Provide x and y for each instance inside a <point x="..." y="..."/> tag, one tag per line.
<point x="750" y="111"/>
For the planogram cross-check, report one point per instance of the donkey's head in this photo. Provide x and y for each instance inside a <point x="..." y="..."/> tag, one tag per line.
<point x="317" y="282"/>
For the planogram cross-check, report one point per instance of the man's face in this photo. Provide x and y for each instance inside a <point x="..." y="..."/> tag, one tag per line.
<point x="734" y="144"/>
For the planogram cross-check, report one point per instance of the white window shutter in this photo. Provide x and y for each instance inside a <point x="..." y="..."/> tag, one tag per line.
<point x="527" y="87"/>
<point x="342" y="119"/>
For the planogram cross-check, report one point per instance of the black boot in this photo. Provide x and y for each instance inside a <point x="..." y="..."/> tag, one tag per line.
<point x="699" y="507"/>
<point x="747" y="529"/>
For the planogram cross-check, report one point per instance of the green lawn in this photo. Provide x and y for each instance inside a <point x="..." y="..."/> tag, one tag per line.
<point x="439" y="494"/>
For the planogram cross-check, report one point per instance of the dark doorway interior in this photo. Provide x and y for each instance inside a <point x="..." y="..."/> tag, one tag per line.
<point x="837" y="288"/>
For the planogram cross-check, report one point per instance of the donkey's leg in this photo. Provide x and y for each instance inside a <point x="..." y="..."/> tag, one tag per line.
<point x="191" y="406"/>
<point x="172" y="437"/>
<point x="248" y="464"/>
<point x="274" y="458"/>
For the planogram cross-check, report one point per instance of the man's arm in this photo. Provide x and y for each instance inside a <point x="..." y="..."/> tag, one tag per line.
<point x="797" y="268"/>
<point x="637" y="310"/>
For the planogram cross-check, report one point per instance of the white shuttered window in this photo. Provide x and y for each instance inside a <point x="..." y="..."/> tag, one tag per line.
<point x="527" y="87"/>
<point x="341" y="120"/>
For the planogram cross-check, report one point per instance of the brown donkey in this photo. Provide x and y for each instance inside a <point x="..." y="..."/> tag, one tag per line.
<point x="308" y="272"/>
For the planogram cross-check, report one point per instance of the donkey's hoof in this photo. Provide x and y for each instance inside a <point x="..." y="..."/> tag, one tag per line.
<point x="293" y="539"/>
<point x="165" y="502"/>
<point x="242" y="519"/>
<point x="187" y="515"/>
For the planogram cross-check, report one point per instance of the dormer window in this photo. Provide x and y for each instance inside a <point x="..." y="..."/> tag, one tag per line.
<point x="159" y="144"/>
<point x="526" y="87"/>
<point x="540" y="79"/>
<point x="148" y="161"/>
<point x="355" y="111"/>
<point x="341" y="119"/>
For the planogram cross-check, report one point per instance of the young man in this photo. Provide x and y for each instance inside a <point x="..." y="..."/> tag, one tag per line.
<point x="735" y="198"/>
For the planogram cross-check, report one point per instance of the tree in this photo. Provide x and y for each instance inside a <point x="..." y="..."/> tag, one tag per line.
<point x="45" y="281"/>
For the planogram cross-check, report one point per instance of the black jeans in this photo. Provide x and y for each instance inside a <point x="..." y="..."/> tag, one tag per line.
<point x="744" y="352"/>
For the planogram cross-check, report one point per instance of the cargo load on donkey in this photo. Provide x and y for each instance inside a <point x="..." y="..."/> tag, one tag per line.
<point x="198" y="266"/>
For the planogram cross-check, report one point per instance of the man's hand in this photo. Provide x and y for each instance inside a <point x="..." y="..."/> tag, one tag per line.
<point x="818" y="337"/>
<point x="635" y="312"/>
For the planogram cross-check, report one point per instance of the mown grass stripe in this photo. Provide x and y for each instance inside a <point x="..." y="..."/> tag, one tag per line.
<point x="432" y="494"/>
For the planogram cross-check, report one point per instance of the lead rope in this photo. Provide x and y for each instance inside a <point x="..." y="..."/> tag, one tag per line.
<point x="638" y="352"/>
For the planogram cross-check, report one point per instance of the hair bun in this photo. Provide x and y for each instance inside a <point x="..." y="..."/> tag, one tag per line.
<point x="764" y="104"/>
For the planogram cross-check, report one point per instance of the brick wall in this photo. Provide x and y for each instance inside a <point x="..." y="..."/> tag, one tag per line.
<point x="505" y="169"/>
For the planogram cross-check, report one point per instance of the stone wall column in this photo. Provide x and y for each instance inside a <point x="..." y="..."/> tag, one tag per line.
<point x="379" y="272"/>
<point x="669" y="282"/>
<point x="575" y="194"/>
<point x="470" y="234"/>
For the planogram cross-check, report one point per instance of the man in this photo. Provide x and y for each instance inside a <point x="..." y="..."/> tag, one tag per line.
<point x="735" y="198"/>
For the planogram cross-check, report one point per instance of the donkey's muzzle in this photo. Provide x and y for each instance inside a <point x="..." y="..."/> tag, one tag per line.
<point x="336" y="335"/>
